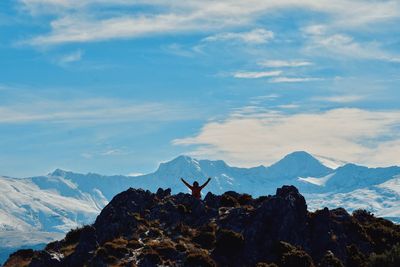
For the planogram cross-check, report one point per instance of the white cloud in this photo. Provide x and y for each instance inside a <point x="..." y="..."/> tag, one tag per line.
<point x="71" y="57"/>
<point x="387" y="153"/>
<point x="92" y="110"/>
<point x="84" y="21"/>
<point x="257" y="100"/>
<point x="353" y="135"/>
<point x="321" y="41"/>
<point x="179" y="50"/>
<point x="86" y="155"/>
<point x="133" y="174"/>
<point x="112" y="152"/>
<point x="288" y="106"/>
<point x="293" y="79"/>
<point x="284" y="63"/>
<point x="316" y="29"/>
<point x="256" y="36"/>
<point x="256" y="74"/>
<point x="266" y="97"/>
<point x="77" y="29"/>
<point x="340" y="98"/>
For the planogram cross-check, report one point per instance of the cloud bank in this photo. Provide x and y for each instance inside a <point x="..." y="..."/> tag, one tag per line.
<point x="349" y="134"/>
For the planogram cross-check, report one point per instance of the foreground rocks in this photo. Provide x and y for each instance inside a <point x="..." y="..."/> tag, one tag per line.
<point x="140" y="228"/>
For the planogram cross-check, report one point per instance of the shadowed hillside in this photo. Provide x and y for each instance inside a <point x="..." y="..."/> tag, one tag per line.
<point x="140" y="228"/>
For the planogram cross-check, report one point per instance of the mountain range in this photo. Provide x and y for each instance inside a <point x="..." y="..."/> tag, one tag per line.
<point x="39" y="209"/>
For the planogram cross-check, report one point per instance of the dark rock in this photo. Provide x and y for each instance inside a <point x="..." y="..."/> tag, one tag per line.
<point x="228" y="201"/>
<point x="161" y="193"/>
<point x="205" y="239"/>
<point x="199" y="259"/>
<point x="212" y="200"/>
<point x="149" y="259"/>
<point x="85" y="249"/>
<point x="43" y="258"/>
<point x="139" y="227"/>
<point x="330" y="260"/>
<point x="117" y="219"/>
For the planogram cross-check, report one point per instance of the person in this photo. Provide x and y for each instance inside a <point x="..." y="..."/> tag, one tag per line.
<point x="195" y="188"/>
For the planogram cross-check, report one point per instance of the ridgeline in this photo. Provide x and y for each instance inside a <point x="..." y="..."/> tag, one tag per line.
<point x="140" y="228"/>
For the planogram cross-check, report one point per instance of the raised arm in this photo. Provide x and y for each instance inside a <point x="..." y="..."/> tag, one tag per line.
<point x="186" y="183"/>
<point x="209" y="179"/>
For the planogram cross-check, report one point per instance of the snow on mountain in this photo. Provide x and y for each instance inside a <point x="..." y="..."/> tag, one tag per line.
<point x="350" y="177"/>
<point x="298" y="164"/>
<point x="24" y="206"/>
<point x="224" y="177"/>
<point x="321" y="181"/>
<point x="329" y="162"/>
<point x="35" y="211"/>
<point x="383" y="199"/>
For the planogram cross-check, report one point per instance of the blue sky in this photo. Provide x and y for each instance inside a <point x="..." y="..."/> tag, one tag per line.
<point x="117" y="87"/>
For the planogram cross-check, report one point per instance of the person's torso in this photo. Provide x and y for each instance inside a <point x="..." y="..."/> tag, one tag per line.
<point x="196" y="192"/>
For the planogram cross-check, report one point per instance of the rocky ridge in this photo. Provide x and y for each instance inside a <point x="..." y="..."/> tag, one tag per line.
<point x="140" y="228"/>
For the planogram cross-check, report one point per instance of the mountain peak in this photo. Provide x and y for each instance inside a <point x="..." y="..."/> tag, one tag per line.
<point x="58" y="172"/>
<point x="180" y="160"/>
<point x="183" y="158"/>
<point x="299" y="164"/>
<point x="180" y="164"/>
<point x="299" y="155"/>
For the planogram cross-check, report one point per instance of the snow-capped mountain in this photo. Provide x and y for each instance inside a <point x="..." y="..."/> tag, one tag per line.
<point x="35" y="211"/>
<point x="38" y="209"/>
<point x="381" y="199"/>
<point x="350" y="177"/>
<point x="297" y="164"/>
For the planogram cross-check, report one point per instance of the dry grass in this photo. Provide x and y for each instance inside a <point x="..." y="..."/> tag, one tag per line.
<point x="68" y="250"/>
<point x="18" y="262"/>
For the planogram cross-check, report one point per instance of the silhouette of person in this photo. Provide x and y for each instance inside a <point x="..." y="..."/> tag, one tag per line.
<point x="195" y="188"/>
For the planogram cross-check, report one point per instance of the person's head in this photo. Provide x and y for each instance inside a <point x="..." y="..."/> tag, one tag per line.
<point x="195" y="184"/>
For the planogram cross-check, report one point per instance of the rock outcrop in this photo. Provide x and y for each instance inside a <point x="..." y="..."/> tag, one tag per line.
<point x="140" y="228"/>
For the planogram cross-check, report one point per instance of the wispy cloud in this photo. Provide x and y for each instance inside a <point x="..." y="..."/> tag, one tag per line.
<point x="90" y="111"/>
<point x="82" y="21"/>
<point x="71" y="57"/>
<point x="179" y="50"/>
<point x="340" y="98"/>
<point x="256" y="36"/>
<point x="70" y="29"/>
<point x="284" y="63"/>
<point x="288" y="106"/>
<point x="133" y="174"/>
<point x="353" y="135"/>
<point x="112" y="152"/>
<point x="323" y="42"/>
<point x="293" y="79"/>
<point x="257" y="100"/>
<point x="256" y="74"/>
<point x="108" y="152"/>
<point x="265" y="97"/>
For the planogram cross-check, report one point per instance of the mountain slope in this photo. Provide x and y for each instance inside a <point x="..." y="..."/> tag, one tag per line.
<point x="351" y="176"/>
<point x="24" y="206"/>
<point x="382" y="199"/>
<point x="31" y="215"/>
